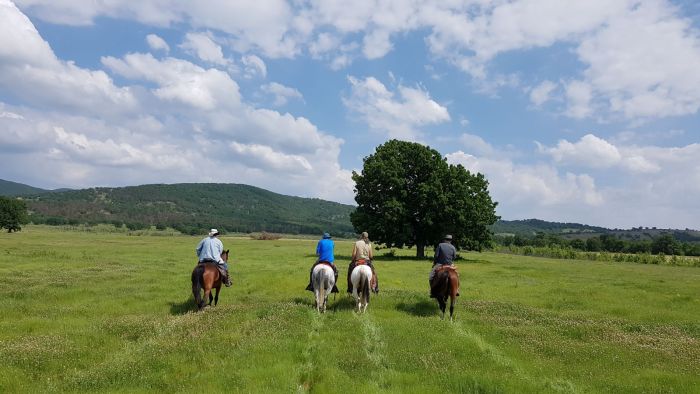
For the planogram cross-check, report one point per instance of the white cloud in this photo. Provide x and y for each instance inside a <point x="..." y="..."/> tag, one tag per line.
<point x="179" y="80"/>
<point x="254" y="66"/>
<point x="541" y="93"/>
<point x="663" y="183"/>
<point x="181" y="123"/>
<point x="399" y="114"/>
<point x="30" y="70"/>
<point x="156" y="43"/>
<point x="590" y="151"/>
<point x="579" y="95"/>
<point x="202" y="46"/>
<point x="264" y="157"/>
<point x="282" y="94"/>
<point x="475" y="144"/>
<point x="638" y="57"/>
<point x="519" y="186"/>
<point x="644" y="62"/>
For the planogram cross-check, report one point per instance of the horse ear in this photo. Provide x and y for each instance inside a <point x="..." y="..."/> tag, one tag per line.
<point x="226" y="251"/>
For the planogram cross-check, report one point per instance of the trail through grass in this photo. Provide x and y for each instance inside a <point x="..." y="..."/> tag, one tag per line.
<point x="109" y="312"/>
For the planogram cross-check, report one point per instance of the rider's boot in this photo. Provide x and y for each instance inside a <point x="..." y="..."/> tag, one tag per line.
<point x="335" y="287"/>
<point x="349" y="280"/>
<point x="310" y="287"/>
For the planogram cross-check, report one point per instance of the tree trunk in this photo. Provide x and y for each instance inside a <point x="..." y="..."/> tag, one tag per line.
<point x="420" y="250"/>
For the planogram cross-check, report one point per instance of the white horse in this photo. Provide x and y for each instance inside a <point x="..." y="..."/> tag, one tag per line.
<point x="323" y="280"/>
<point x="361" y="277"/>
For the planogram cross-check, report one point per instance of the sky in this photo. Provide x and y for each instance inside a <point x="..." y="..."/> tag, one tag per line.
<point x="575" y="111"/>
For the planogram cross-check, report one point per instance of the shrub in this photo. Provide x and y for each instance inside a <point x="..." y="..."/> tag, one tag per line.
<point x="265" y="236"/>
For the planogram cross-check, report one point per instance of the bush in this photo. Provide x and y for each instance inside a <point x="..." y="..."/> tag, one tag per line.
<point x="265" y="236"/>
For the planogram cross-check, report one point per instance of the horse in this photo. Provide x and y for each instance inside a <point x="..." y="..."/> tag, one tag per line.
<point x="322" y="280"/>
<point x="446" y="284"/>
<point x="361" y="277"/>
<point x="207" y="276"/>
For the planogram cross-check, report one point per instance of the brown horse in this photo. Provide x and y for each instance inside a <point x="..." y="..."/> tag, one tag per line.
<point x="207" y="276"/>
<point x="446" y="284"/>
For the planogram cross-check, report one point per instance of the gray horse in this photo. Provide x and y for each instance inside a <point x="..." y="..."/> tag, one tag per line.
<point x="323" y="280"/>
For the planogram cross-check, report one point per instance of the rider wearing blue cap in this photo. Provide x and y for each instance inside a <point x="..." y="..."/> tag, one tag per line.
<point x="324" y="251"/>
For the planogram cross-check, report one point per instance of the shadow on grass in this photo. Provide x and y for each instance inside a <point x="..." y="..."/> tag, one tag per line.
<point x="181" y="308"/>
<point x="420" y="308"/>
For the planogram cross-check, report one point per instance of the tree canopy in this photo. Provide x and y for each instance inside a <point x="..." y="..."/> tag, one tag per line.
<point x="13" y="214"/>
<point x="408" y="195"/>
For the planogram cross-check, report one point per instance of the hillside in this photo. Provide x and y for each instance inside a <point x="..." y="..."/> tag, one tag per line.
<point x="530" y="227"/>
<point x="192" y="208"/>
<point x="11" y="189"/>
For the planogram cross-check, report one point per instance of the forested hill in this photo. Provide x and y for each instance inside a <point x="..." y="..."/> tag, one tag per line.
<point x="533" y="226"/>
<point x="193" y="208"/>
<point x="11" y="189"/>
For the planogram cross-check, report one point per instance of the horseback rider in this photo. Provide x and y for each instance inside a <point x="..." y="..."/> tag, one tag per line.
<point x="362" y="254"/>
<point x="445" y="254"/>
<point x="209" y="250"/>
<point x="324" y="251"/>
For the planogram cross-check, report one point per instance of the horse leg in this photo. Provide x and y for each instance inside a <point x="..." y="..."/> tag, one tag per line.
<point x="216" y="298"/>
<point x="442" y="302"/>
<point x="452" y="306"/>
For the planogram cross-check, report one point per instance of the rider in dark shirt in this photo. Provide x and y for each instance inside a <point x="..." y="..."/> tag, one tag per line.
<point x="445" y="253"/>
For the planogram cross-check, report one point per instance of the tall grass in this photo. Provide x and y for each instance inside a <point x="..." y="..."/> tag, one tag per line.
<point x="108" y="312"/>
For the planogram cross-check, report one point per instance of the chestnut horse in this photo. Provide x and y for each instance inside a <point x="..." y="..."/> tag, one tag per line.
<point x="207" y="276"/>
<point x="446" y="284"/>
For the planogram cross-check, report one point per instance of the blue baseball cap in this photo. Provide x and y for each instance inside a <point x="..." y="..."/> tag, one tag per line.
<point x="326" y="235"/>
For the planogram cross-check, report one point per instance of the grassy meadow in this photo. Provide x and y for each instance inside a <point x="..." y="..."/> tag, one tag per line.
<point x="110" y="312"/>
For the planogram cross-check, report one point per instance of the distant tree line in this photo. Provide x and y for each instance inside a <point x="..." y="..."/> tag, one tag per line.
<point x="665" y="244"/>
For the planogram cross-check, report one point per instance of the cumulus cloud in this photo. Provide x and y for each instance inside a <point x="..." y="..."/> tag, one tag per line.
<point x="662" y="182"/>
<point x="254" y="66"/>
<point x="176" y="121"/>
<point x="541" y="93"/>
<point x="156" y="43"/>
<point x="202" y="46"/>
<point x="400" y="114"/>
<point x="638" y="57"/>
<point x="594" y="152"/>
<point x="31" y="71"/>
<point x="282" y="94"/>
<point x="179" y="80"/>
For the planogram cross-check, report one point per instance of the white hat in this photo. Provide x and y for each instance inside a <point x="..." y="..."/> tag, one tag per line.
<point x="213" y="232"/>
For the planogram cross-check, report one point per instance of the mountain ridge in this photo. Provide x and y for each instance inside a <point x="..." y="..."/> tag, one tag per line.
<point x="193" y="207"/>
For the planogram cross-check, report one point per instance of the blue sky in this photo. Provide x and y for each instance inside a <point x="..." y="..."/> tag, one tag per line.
<point x="582" y="111"/>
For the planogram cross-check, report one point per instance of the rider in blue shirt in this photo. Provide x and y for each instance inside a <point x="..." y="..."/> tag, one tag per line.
<point x="324" y="251"/>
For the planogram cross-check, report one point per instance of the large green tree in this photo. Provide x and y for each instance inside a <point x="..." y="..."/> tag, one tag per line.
<point x="13" y="214"/>
<point x="408" y="195"/>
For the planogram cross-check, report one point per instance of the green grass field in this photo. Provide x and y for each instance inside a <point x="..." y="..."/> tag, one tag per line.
<point x="84" y="311"/>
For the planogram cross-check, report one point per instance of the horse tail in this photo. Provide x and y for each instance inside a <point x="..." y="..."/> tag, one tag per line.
<point x="364" y="285"/>
<point x="446" y="289"/>
<point x="197" y="279"/>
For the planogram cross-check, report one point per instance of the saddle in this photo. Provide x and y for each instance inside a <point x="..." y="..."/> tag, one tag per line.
<point x="360" y="262"/>
<point x="446" y="267"/>
<point x="218" y="266"/>
<point x="328" y="263"/>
